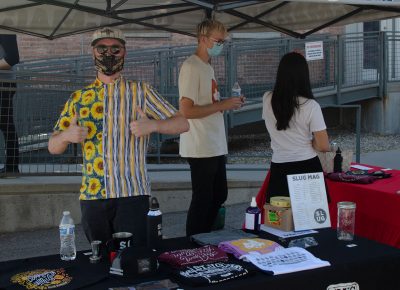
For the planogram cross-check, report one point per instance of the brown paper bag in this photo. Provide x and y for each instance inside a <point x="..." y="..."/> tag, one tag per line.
<point x="326" y="159"/>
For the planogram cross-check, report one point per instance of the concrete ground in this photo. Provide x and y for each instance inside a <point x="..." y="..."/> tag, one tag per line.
<point x="44" y="242"/>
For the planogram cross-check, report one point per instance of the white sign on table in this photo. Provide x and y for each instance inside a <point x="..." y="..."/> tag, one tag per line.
<point x="308" y="199"/>
<point x="314" y="50"/>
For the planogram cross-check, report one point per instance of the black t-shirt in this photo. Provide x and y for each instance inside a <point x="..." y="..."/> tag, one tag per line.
<point x="9" y="49"/>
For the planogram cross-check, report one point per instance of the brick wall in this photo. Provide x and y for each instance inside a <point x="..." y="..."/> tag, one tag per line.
<point x="36" y="48"/>
<point x="31" y="47"/>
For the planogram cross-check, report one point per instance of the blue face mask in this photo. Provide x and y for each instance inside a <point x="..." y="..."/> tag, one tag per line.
<point x="215" y="50"/>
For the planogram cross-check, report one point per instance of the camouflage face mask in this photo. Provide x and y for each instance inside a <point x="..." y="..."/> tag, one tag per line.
<point x="109" y="64"/>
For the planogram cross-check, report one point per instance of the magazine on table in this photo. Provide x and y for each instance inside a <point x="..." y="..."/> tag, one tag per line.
<point x="284" y="261"/>
<point x="285" y="234"/>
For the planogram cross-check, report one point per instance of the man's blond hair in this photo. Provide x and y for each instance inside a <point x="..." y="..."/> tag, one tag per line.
<point x="207" y="26"/>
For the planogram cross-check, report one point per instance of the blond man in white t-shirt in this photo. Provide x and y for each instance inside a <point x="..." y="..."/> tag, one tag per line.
<point x="204" y="145"/>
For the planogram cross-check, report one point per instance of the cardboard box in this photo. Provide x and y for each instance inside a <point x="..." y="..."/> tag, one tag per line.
<point x="278" y="217"/>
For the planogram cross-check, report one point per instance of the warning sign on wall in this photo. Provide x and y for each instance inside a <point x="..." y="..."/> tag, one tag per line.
<point x="314" y="50"/>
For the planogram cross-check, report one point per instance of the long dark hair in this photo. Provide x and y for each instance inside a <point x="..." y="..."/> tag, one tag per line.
<point x="292" y="81"/>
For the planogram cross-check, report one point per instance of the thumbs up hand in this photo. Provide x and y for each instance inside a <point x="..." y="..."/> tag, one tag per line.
<point x="143" y="125"/>
<point x="76" y="133"/>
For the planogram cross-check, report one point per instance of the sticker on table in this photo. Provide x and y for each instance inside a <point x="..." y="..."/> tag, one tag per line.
<point x="42" y="279"/>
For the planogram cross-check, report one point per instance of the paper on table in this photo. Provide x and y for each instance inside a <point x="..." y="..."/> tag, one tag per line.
<point x="308" y="200"/>
<point x="287" y="260"/>
<point x="283" y="234"/>
<point x="362" y="167"/>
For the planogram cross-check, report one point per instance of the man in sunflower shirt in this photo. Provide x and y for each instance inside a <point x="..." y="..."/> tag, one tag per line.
<point x="112" y="118"/>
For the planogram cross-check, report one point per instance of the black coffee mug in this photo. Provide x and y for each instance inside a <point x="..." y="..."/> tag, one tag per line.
<point x="120" y="241"/>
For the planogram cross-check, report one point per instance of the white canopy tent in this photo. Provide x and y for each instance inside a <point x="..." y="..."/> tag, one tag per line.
<point x="57" y="18"/>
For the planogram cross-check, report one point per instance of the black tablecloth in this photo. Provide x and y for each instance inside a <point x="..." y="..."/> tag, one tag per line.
<point x="370" y="264"/>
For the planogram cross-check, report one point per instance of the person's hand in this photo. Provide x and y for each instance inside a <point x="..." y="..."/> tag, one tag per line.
<point x="76" y="133"/>
<point x="232" y="103"/>
<point x="143" y="126"/>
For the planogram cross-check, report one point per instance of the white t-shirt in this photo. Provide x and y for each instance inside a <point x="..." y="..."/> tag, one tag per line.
<point x="294" y="143"/>
<point x="206" y="137"/>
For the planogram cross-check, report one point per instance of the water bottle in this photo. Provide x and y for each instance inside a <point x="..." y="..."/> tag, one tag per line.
<point x="253" y="217"/>
<point x="154" y="225"/>
<point x="333" y="146"/>
<point x="337" y="161"/>
<point x="67" y="237"/>
<point x="236" y="90"/>
<point x="219" y="221"/>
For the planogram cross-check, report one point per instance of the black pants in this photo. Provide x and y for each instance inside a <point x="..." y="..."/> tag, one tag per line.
<point x="102" y="218"/>
<point x="8" y="128"/>
<point x="209" y="192"/>
<point x="278" y="185"/>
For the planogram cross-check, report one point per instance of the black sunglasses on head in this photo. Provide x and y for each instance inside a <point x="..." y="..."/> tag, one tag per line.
<point x="113" y="49"/>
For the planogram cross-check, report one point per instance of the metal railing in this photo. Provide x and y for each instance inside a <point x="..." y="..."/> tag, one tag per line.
<point x="346" y="74"/>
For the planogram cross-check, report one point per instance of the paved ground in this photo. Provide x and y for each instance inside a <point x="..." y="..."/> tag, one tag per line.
<point x="43" y="242"/>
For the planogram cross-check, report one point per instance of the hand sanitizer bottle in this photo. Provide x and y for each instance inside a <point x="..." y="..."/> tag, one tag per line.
<point x="253" y="217"/>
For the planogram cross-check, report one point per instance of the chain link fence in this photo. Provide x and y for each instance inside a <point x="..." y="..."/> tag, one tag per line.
<point x="42" y="87"/>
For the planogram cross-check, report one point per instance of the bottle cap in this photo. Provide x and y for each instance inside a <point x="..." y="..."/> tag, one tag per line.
<point x="346" y="204"/>
<point x="280" y="201"/>
<point x="253" y="202"/>
<point x="154" y="204"/>
<point x="66" y="212"/>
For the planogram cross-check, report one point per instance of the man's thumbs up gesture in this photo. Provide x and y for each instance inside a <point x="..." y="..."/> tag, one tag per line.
<point x="76" y="133"/>
<point x="143" y="126"/>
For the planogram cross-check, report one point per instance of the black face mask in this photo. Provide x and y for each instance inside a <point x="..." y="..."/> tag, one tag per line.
<point x="109" y="64"/>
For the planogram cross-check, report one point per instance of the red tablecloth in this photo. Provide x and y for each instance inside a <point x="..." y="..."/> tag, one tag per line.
<point x="378" y="206"/>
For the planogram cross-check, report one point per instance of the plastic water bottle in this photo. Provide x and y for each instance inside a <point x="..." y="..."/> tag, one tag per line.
<point x="219" y="221"/>
<point x="154" y="225"/>
<point x="236" y="90"/>
<point x="67" y="237"/>
<point x="253" y="217"/>
<point x="333" y="146"/>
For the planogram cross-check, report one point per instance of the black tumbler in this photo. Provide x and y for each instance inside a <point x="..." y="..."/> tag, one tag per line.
<point x="154" y="225"/>
<point x="338" y="161"/>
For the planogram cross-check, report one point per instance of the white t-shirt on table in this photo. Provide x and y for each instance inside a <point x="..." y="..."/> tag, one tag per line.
<point x="206" y="137"/>
<point x="294" y="143"/>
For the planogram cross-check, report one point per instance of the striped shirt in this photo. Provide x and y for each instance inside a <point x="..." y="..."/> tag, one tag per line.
<point x="107" y="110"/>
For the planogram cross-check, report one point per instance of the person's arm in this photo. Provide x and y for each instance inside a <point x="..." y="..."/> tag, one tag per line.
<point x="60" y="140"/>
<point x="320" y="141"/>
<point x="191" y="111"/>
<point x="189" y="84"/>
<point x="144" y="126"/>
<point x="9" y="44"/>
<point x="4" y="65"/>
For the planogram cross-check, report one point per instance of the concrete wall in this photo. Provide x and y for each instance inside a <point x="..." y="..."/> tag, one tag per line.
<point x="382" y="116"/>
<point x="39" y="206"/>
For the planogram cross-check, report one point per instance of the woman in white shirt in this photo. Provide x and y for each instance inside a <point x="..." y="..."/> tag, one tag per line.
<point x="295" y="124"/>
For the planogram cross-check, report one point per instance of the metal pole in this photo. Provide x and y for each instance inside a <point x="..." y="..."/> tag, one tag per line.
<point x="358" y="131"/>
<point x="339" y="68"/>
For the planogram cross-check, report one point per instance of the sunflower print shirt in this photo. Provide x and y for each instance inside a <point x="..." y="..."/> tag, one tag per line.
<point x="114" y="160"/>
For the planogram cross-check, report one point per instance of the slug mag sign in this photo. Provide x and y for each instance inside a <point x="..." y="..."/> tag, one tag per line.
<point x="309" y="201"/>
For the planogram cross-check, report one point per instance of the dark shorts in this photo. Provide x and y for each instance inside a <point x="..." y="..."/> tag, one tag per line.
<point x="102" y="218"/>
<point x="278" y="185"/>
